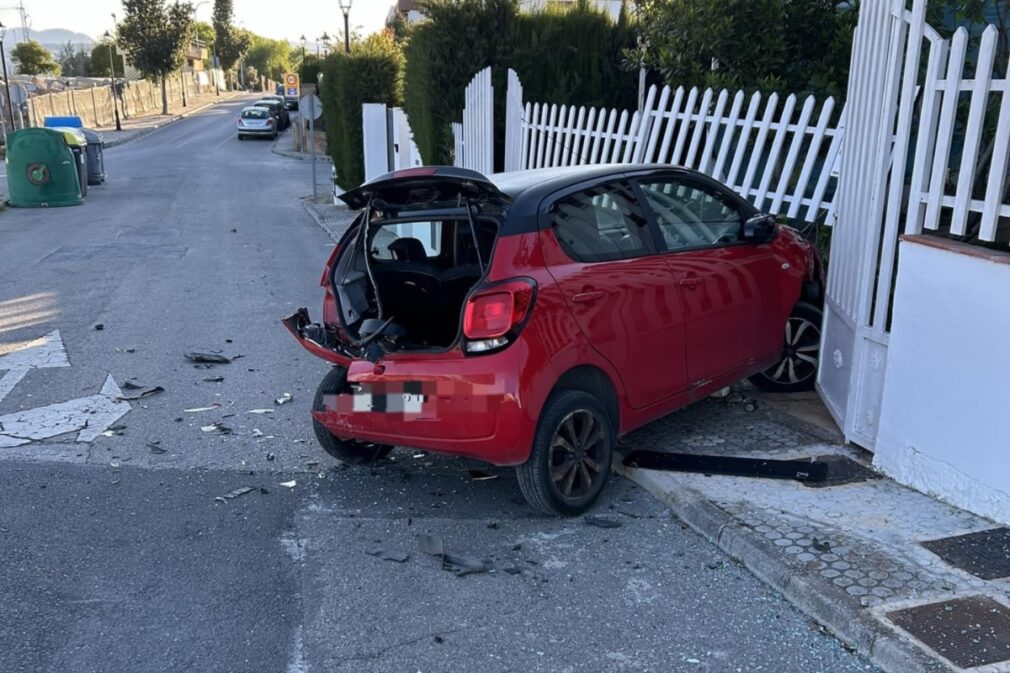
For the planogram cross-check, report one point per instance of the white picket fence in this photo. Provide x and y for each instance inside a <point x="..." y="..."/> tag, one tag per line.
<point x="473" y="140"/>
<point x="781" y="154"/>
<point x="944" y="83"/>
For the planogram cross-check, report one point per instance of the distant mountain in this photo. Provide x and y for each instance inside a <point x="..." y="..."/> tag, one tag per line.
<point x="53" y="38"/>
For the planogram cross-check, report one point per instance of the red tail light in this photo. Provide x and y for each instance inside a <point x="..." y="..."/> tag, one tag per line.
<point x="494" y="315"/>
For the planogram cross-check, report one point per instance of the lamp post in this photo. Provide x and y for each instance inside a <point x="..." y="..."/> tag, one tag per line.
<point x="325" y="40"/>
<point x="7" y="83"/>
<point x="303" y="41"/>
<point x="115" y="93"/>
<point x="345" y="7"/>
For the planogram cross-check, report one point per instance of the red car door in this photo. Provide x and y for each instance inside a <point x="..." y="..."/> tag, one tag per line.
<point x="728" y="286"/>
<point x="600" y="251"/>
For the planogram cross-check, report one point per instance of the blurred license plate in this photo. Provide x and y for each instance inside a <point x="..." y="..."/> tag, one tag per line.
<point x="399" y="403"/>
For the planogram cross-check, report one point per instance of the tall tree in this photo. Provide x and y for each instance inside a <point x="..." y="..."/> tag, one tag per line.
<point x="74" y="61"/>
<point x="32" y="58"/>
<point x="155" y="35"/>
<point x="99" y="61"/>
<point x="231" y="43"/>
<point x="270" y="57"/>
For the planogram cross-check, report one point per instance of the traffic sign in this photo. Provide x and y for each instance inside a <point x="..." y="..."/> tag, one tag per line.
<point x="310" y="107"/>
<point x="292" y="85"/>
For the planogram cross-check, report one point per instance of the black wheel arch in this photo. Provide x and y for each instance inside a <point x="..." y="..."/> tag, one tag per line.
<point x="596" y="382"/>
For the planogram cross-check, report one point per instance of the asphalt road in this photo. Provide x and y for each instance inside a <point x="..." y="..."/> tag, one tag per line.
<point x="117" y="557"/>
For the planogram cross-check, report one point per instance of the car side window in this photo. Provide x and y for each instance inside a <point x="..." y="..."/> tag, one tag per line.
<point x="692" y="215"/>
<point x="600" y="224"/>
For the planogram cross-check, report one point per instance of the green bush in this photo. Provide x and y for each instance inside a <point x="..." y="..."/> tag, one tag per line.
<point x="371" y="73"/>
<point x="571" y="56"/>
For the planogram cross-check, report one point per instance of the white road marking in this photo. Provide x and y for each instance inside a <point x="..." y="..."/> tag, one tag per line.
<point x="47" y="351"/>
<point x="87" y="416"/>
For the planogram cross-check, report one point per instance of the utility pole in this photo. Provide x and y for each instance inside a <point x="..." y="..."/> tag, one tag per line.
<point x="7" y="83"/>
<point x="115" y="91"/>
<point x="345" y="7"/>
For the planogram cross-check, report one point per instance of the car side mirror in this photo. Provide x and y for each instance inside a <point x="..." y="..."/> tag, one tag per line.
<point x="759" y="228"/>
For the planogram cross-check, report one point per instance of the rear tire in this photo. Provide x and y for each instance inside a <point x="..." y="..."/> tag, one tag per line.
<point x="797" y="369"/>
<point x="350" y="451"/>
<point x="572" y="451"/>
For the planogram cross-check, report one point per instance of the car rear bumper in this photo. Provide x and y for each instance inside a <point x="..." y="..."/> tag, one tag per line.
<point x="257" y="130"/>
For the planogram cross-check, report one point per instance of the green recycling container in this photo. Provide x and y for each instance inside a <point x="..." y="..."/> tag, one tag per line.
<point x="42" y="169"/>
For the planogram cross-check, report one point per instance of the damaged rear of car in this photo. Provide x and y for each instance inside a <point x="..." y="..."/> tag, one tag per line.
<point x="417" y="318"/>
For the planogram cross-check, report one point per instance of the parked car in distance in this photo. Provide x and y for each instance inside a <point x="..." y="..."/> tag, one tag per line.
<point x="532" y="318"/>
<point x="256" y="121"/>
<point x="278" y="109"/>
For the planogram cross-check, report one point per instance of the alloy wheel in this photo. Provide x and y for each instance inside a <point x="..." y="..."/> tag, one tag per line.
<point x="577" y="454"/>
<point x="800" y="353"/>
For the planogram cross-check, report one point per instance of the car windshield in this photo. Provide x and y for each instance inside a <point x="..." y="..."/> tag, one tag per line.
<point x="266" y="103"/>
<point x="254" y="114"/>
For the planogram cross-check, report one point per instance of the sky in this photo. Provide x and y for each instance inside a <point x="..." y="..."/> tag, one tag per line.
<point x="289" y="19"/>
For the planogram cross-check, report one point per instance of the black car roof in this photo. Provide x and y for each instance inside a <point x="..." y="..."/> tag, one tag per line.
<point x="529" y="188"/>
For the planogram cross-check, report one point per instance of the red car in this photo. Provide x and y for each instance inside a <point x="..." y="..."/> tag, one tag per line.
<point x="532" y="318"/>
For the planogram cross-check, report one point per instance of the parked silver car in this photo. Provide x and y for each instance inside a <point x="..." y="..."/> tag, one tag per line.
<point x="256" y="121"/>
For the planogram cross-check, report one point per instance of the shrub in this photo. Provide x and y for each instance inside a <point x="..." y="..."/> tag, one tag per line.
<point x="371" y="73"/>
<point x="571" y="56"/>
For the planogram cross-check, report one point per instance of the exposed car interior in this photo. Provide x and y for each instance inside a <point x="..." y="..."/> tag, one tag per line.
<point x="423" y="271"/>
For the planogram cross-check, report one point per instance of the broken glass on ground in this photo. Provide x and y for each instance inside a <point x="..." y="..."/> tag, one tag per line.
<point x="458" y="564"/>
<point x="283" y="399"/>
<point x="218" y="428"/>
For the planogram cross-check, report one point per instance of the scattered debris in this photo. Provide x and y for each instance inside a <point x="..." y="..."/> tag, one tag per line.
<point x="749" y="407"/>
<point x="514" y="570"/>
<point x="156" y="447"/>
<point x="388" y="555"/>
<point x="602" y="522"/>
<point x="256" y="432"/>
<point x="218" y="428"/>
<point x="99" y="327"/>
<point x="821" y="545"/>
<point x="214" y="379"/>
<point x="207" y="358"/>
<point x="114" y="430"/>
<point x="283" y="399"/>
<point x="261" y="411"/>
<point x="114" y="465"/>
<point x="457" y="564"/>
<point x="144" y="392"/>
<point x="270" y="456"/>
<point x="438" y="639"/>
<point x="419" y="455"/>
<point x="289" y="484"/>
<point x="231" y="495"/>
<point x="197" y="410"/>
<point x="481" y="475"/>
<point x="716" y="565"/>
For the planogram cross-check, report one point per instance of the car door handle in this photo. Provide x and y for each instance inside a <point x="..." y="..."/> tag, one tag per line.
<point x="587" y="297"/>
<point x="690" y="282"/>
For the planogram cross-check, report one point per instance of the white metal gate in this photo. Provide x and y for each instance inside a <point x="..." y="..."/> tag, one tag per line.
<point x="889" y="105"/>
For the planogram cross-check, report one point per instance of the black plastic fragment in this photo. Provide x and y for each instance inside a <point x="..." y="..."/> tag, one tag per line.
<point x="602" y="522"/>
<point x="207" y="358"/>
<point x="458" y="564"/>
<point x="799" y="470"/>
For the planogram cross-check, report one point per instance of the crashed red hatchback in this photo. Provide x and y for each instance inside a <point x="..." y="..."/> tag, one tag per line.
<point x="532" y="318"/>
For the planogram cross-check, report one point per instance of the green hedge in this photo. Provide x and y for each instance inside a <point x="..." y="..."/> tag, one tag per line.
<point x="571" y="56"/>
<point x="371" y="73"/>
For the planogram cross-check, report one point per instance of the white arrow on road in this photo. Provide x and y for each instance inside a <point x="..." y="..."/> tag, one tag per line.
<point x="87" y="416"/>
<point x="47" y="351"/>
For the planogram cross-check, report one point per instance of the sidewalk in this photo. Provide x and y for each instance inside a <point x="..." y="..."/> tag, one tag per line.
<point x="334" y="220"/>
<point x="138" y="127"/>
<point x="850" y="551"/>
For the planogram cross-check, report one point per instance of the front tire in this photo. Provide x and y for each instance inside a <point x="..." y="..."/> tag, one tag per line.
<point x="572" y="452"/>
<point x="797" y="369"/>
<point x="348" y="451"/>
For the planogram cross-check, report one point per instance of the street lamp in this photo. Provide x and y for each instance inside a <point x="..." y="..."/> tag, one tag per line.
<point x="115" y="93"/>
<point x="7" y="83"/>
<point x="345" y="7"/>
<point x="303" y="41"/>
<point x="325" y="39"/>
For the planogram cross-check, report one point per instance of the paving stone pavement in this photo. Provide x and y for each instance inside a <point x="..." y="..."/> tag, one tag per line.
<point x="847" y="554"/>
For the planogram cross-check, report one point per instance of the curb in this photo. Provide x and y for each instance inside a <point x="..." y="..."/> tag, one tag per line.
<point x="171" y="120"/>
<point x="333" y="230"/>
<point x="855" y="628"/>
